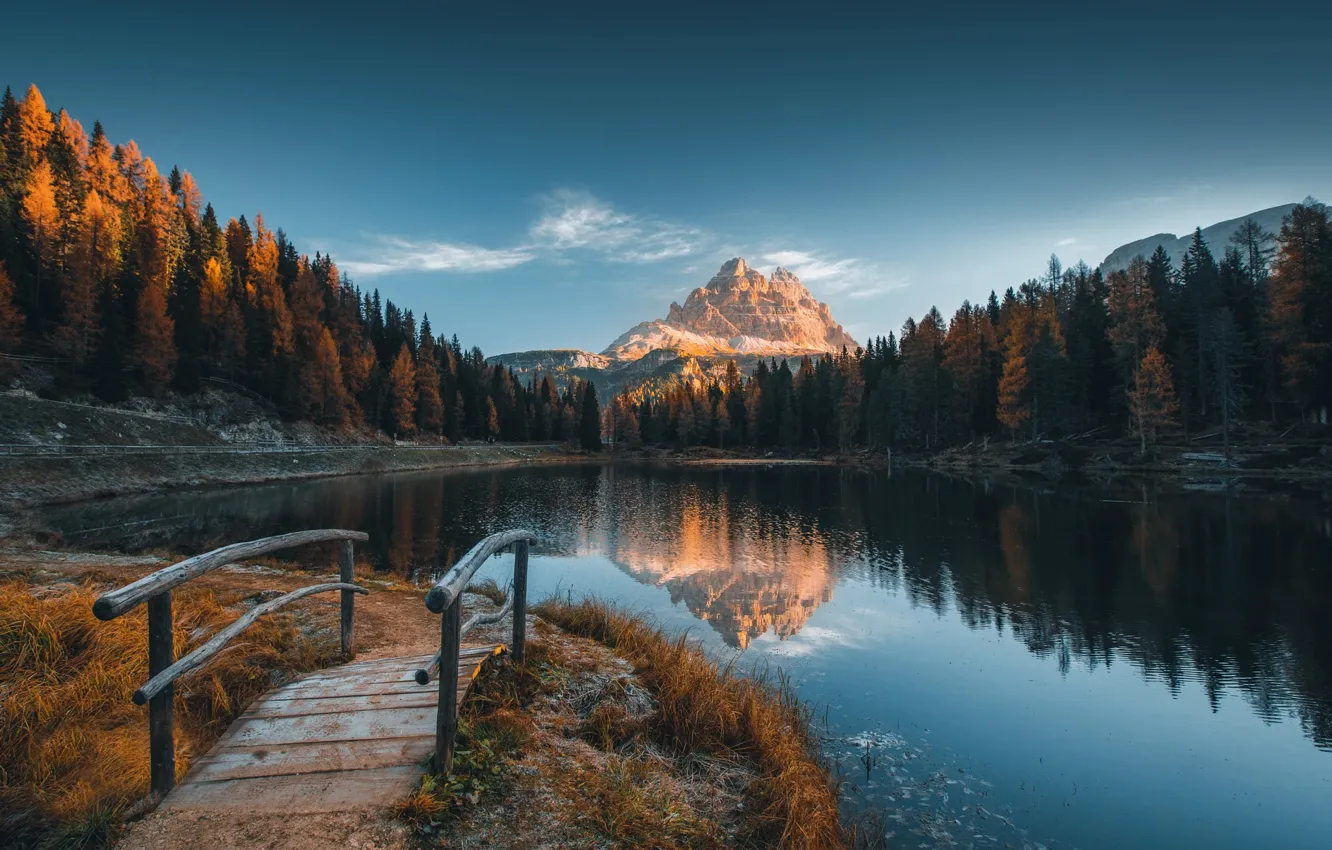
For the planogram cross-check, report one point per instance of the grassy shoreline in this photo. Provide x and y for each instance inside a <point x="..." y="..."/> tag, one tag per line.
<point x="612" y="733"/>
<point x="30" y="481"/>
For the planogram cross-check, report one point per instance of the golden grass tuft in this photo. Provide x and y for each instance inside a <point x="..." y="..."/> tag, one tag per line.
<point x="632" y="804"/>
<point x="610" y="726"/>
<point x="73" y="748"/>
<point x="703" y="707"/>
<point x="490" y="589"/>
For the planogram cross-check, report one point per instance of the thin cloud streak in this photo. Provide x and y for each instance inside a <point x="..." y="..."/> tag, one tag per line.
<point x="577" y="220"/>
<point x="849" y="277"/>
<point x="394" y="254"/>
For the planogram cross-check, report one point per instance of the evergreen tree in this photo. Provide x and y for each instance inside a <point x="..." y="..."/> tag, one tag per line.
<point x="589" y="424"/>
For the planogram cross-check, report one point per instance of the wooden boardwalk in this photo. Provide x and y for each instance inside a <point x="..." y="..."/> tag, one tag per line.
<point x="345" y="737"/>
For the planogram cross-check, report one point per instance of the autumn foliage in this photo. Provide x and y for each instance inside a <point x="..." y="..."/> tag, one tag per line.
<point x="127" y="279"/>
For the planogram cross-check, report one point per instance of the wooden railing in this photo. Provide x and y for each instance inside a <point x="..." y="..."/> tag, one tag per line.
<point x="163" y="668"/>
<point x="446" y="598"/>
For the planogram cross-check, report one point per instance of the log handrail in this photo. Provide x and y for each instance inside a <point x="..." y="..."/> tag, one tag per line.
<point x="446" y="598"/>
<point x="111" y="605"/>
<point x="214" y="645"/>
<point x="450" y="585"/>
<point x="164" y="669"/>
<point x="431" y="669"/>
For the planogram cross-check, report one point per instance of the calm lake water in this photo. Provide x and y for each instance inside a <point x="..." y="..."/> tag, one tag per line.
<point x="996" y="665"/>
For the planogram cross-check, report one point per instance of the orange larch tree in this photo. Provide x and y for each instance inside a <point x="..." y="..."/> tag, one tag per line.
<point x="35" y="126"/>
<point x="43" y="219"/>
<point x="402" y="389"/>
<point x="154" y="340"/>
<point x="1152" y="400"/>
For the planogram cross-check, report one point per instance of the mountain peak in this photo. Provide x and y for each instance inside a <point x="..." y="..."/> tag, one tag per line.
<point x="740" y="312"/>
<point x="735" y="267"/>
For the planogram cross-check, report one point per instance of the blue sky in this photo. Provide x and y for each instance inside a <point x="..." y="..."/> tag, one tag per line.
<point x="538" y="175"/>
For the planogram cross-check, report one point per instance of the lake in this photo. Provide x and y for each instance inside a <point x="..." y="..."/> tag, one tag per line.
<point x="992" y="663"/>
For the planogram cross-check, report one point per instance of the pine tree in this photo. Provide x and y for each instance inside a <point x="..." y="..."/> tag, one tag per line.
<point x="429" y="405"/>
<point x="1227" y="350"/>
<point x="11" y="323"/>
<point x="589" y="425"/>
<point x="1300" y="309"/>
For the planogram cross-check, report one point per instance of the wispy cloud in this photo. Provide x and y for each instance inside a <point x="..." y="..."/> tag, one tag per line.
<point x="577" y="220"/>
<point x="391" y="254"/>
<point x="812" y="268"/>
<point x="1064" y="243"/>
<point x="848" y="276"/>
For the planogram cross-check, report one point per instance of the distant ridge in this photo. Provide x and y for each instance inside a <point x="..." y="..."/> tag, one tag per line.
<point x="1217" y="237"/>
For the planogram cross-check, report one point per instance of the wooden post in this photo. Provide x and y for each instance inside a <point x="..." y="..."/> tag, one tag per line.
<point x="161" y="738"/>
<point x="347" y="574"/>
<point x="446" y="720"/>
<point x="519" y="599"/>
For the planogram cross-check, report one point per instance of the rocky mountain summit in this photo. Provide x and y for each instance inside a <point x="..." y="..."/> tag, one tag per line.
<point x="738" y="315"/>
<point x="739" y="311"/>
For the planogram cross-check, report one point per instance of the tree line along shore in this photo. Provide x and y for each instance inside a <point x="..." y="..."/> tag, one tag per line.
<point x="119" y="281"/>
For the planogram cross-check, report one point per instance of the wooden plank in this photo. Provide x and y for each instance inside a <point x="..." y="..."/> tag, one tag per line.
<point x="317" y="757"/>
<point x="337" y="692"/>
<point x="308" y="793"/>
<point x="357" y="667"/>
<point x="422" y="697"/>
<point x="383" y="723"/>
<point x="329" y="742"/>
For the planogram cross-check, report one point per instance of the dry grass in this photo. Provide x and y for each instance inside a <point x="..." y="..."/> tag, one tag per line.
<point x="704" y="708"/>
<point x="633" y="804"/>
<point x="73" y="748"/>
<point x="490" y="589"/>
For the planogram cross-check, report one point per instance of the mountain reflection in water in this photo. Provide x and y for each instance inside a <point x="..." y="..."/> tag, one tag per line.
<point x="1232" y="591"/>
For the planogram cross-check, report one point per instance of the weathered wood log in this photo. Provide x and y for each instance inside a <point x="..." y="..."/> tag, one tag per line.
<point x="519" y="597"/>
<point x="347" y="575"/>
<point x="446" y="716"/>
<point x="450" y="585"/>
<point x="198" y="657"/>
<point x="431" y="669"/>
<point x="111" y="605"/>
<point x="161" y="723"/>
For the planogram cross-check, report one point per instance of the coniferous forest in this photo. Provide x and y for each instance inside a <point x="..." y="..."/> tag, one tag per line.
<point x="126" y="283"/>
<point x="1237" y="333"/>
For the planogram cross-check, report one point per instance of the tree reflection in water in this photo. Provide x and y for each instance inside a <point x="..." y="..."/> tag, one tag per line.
<point x="1231" y="588"/>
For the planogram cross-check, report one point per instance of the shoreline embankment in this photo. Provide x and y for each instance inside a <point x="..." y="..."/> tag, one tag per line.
<point x="77" y="474"/>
